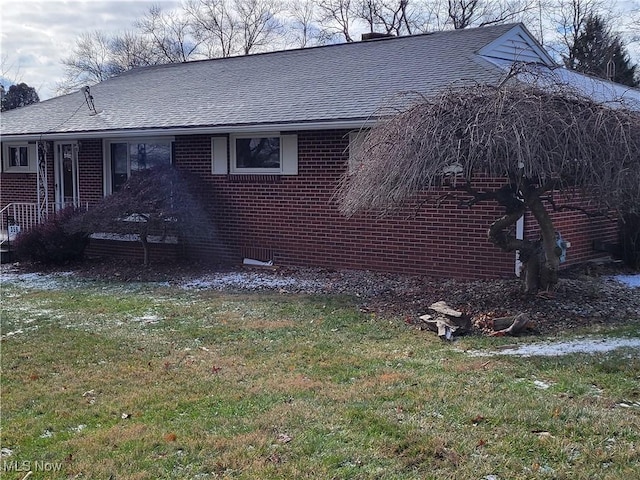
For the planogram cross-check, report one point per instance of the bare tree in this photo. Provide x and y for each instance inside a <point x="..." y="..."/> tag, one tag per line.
<point x="336" y="18"/>
<point x="540" y="141"/>
<point x="152" y="202"/>
<point x="170" y="35"/>
<point x="8" y="70"/>
<point x="90" y="63"/>
<point x="481" y="13"/>
<point x="386" y="16"/>
<point x="131" y="50"/>
<point x="258" y="23"/>
<point x="302" y="31"/>
<point x="215" y="25"/>
<point x="569" y="18"/>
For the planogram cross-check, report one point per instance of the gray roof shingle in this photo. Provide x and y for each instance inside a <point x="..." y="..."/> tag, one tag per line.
<point x="321" y="84"/>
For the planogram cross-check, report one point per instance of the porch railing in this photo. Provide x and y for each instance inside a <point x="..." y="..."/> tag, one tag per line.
<point x="17" y="217"/>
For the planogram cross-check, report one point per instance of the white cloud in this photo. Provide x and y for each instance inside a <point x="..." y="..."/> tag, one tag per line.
<point x="36" y="35"/>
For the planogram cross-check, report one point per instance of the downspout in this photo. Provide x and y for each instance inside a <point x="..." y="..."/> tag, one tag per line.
<point x="519" y="236"/>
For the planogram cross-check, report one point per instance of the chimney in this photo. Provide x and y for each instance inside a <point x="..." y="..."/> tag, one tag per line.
<point x="375" y="36"/>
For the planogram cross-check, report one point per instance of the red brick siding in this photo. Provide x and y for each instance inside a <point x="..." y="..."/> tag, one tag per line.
<point x="576" y="227"/>
<point x="22" y="187"/>
<point x="17" y="187"/>
<point x="90" y="171"/>
<point x="294" y="220"/>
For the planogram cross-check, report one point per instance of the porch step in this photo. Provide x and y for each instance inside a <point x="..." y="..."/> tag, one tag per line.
<point x="6" y="255"/>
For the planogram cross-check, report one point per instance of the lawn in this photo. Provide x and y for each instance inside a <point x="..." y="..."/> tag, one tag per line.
<point x="106" y="380"/>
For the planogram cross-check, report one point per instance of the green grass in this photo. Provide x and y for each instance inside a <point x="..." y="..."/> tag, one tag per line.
<point x="106" y="381"/>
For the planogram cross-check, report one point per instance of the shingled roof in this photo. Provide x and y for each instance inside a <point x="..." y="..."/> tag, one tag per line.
<point x="315" y="87"/>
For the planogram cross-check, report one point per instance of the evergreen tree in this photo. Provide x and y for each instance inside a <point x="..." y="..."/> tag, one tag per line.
<point x="598" y="52"/>
<point x="19" y="96"/>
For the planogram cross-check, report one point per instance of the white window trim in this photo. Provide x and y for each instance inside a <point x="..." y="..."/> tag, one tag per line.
<point x="250" y="171"/>
<point x="106" y="155"/>
<point x="32" y="157"/>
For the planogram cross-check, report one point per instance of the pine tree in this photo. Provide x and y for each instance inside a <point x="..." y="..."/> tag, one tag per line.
<point x="598" y="52"/>
<point x="17" y="96"/>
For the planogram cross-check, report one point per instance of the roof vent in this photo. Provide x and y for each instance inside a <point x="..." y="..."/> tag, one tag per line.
<point x="376" y="35"/>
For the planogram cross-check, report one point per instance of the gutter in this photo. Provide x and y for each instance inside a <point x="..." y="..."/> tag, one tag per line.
<point x="210" y="130"/>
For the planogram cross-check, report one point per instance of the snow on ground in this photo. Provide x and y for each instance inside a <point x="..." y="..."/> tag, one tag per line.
<point x="39" y="281"/>
<point x="632" y="281"/>
<point x="555" y="349"/>
<point x="247" y="281"/>
<point x="258" y="281"/>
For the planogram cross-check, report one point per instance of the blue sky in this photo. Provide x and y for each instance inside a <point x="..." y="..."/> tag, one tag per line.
<point x="36" y="35"/>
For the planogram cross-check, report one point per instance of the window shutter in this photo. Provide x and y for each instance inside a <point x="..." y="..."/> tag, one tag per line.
<point x="289" y="154"/>
<point x="32" y="155"/>
<point x="219" y="156"/>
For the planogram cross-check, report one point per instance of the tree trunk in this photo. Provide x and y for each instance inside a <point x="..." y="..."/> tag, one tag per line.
<point x="548" y="254"/>
<point x="145" y="248"/>
<point x="541" y="259"/>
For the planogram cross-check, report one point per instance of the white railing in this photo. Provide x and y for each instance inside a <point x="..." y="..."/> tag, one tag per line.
<point x="17" y="217"/>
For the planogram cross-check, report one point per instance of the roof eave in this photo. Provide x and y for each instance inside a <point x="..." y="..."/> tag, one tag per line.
<point x="196" y="130"/>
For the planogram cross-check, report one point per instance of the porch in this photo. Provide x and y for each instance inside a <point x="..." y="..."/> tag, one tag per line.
<point x="15" y="218"/>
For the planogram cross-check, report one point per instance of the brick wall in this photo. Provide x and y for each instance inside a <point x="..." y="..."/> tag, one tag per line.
<point x="22" y="187"/>
<point x="90" y="167"/>
<point x="581" y="229"/>
<point x="293" y="220"/>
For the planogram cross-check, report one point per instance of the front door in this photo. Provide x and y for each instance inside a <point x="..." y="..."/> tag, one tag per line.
<point x="66" y="173"/>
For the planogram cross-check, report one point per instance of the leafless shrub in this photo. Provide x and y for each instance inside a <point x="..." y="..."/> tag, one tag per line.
<point x="554" y="139"/>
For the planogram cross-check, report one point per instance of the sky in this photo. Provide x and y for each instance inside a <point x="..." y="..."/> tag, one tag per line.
<point x="36" y="35"/>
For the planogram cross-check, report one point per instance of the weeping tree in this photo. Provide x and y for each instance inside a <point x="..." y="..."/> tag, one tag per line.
<point x="539" y="140"/>
<point x="158" y="201"/>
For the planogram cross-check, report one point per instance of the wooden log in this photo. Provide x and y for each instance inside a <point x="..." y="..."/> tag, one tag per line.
<point x="446" y="326"/>
<point x="443" y="308"/>
<point x="516" y="325"/>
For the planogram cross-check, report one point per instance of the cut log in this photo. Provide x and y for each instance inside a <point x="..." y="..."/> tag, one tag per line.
<point x="446" y="326"/>
<point x="443" y="308"/>
<point x="515" y="325"/>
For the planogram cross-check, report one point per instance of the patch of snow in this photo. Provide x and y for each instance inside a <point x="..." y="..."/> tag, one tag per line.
<point x="247" y="281"/>
<point x="168" y="239"/>
<point x="37" y="280"/>
<point x="148" y="319"/>
<point x="10" y="334"/>
<point x="556" y="349"/>
<point x="632" y="281"/>
<point x="541" y="385"/>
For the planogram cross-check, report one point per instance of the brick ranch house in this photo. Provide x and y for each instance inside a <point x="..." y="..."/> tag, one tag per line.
<point x="305" y="105"/>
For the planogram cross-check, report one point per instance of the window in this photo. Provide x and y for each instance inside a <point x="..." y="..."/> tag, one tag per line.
<point x="19" y="157"/>
<point x="258" y="153"/>
<point x="264" y="154"/>
<point x="129" y="156"/>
